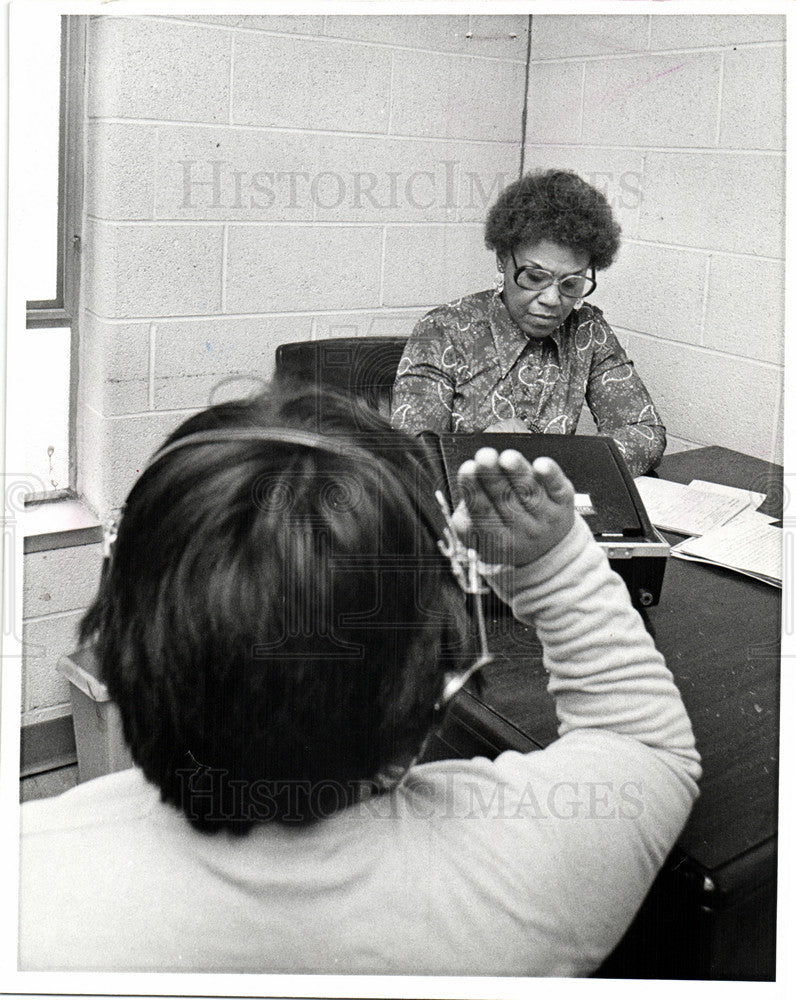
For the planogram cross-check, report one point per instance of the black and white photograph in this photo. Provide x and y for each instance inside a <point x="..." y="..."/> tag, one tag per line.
<point x="398" y="532"/>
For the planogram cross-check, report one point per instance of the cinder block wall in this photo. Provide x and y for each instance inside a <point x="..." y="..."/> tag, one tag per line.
<point x="253" y="180"/>
<point x="57" y="587"/>
<point x="680" y="120"/>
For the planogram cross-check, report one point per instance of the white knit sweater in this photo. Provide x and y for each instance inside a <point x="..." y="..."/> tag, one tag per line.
<point x="526" y="866"/>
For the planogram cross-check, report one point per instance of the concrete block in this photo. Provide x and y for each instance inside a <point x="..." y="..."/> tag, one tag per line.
<point x="753" y="98"/>
<point x="562" y="36"/>
<point x="675" y="445"/>
<point x="484" y="170"/>
<point x="723" y="201"/>
<point x="60" y="579"/>
<point x="45" y="640"/>
<point x="121" y="167"/>
<point x="115" y="450"/>
<point x="157" y="270"/>
<point x="299" y="83"/>
<point x="745" y="308"/>
<point x="299" y="24"/>
<point x="650" y="100"/>
<point x="617" y="173"/>
<point x="385" y="180"/>
<point x="504" y="36"/>
<point x="687" y="31"/>
<point x="375" y="179"/>
<point x="655" y="290"/>
<point x="293" y="269"/>
<point x="386" y="323"/>
<point x="89" y="471"/>
<point x="709" y="398"/>
<point x="455" y="97"/>
<point x="500" y="36"/>
<point x="232" y="175"/>
<point x="440" y="32"/>
<point x="435" y="264"/>
<point x="141" y="68"/>
<point x="197" y="360"/>
<point x="554" y="103"/>
<point x="114" y="366"/>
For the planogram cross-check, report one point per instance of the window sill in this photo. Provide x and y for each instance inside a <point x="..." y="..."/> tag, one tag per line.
<point x="58" y="524"/>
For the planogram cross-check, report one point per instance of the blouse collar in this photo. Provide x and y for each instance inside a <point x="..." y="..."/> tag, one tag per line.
<point x="509" y="340"/>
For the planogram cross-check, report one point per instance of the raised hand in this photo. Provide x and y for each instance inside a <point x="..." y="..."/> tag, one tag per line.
<point x="513" y="512"/>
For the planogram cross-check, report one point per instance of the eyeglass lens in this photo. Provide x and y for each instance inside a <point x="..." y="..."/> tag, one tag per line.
<point x="535" y="279"/>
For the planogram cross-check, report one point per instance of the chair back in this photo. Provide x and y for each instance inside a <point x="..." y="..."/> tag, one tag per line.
<point x="360" y="366"/>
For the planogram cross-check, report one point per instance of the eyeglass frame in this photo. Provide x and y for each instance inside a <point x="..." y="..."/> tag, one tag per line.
<point x="553" y="280"/>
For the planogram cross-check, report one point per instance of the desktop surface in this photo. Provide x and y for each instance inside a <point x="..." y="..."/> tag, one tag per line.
<point x="720" y="634"/>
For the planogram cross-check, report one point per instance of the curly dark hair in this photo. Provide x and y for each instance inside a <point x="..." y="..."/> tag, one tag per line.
<point x="276" y="620"/>
<point x="554" y="205"/>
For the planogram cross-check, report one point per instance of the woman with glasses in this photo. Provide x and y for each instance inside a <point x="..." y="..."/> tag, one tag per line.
<point x="526" y="355"/>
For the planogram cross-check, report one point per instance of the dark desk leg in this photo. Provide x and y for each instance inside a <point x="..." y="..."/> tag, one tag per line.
<point x="743" y="937"/>
<point x="680" y="933"/>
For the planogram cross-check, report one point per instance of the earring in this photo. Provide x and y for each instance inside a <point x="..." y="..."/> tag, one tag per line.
<point x="578" y="303"/>
<point x="500" y="280"/>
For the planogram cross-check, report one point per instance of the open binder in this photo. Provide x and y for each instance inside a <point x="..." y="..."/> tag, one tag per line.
<point x="606" y="496"/>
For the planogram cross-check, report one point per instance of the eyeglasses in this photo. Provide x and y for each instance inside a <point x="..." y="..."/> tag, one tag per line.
<point x="536" y="279"/>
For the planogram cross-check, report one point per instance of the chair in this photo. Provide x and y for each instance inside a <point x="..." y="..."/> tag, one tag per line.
<point x="361" y="366"/>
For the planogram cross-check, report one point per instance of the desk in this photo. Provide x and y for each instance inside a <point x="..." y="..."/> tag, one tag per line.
<point x="711" y="913"/>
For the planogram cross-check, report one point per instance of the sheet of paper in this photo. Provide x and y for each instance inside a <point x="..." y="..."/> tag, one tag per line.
<point x="686" y="510"/>
<point x="753" y="498"/>
<point x="748" y="545"/>
<point x="744" y="572"/>
<point x="752" y="515"/>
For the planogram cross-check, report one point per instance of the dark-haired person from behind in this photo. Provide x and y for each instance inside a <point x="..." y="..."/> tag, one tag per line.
<point x="281" y="632"/>
<point x="526" y="355"/>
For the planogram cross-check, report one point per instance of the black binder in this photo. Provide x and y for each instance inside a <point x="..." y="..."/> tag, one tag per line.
<point x="609" y="500"/>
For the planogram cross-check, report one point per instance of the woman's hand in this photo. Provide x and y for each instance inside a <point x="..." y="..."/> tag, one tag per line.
<point x="513" y="512"/>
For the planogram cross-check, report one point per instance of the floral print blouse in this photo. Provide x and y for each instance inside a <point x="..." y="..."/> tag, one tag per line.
<point x="468" y="365"/>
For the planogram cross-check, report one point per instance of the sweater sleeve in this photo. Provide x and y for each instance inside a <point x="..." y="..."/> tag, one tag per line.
<point x="618" y="785"/>
<point x="605" y="672"/>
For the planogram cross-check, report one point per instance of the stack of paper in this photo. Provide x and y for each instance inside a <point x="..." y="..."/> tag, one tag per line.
<point x="747" y="544"/>
<point x="686" y="510"/>
<point x="752" y="498"/>
<point x="731" y="532"/>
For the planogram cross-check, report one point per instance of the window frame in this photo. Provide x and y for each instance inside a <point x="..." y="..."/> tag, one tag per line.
<point x="61" y="310"/>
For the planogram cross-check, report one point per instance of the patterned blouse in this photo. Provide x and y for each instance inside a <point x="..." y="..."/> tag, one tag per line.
<point x="468" y="365"/>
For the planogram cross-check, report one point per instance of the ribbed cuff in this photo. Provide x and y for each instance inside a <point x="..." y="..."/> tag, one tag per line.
<point x="509" y="580"/>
